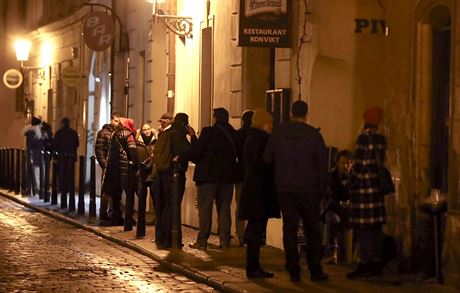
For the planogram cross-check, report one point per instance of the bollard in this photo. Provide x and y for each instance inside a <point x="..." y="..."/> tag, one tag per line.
<point x="64" y="179"/>
<point x="92" y="188"/>
<point x="12" y="170"/>
<point x="81" y="187"/>
<point x="46" y="189"/>
<point x="23" y="173"/>
<point x="142" y="197"/>
<point x="54" y="179"/>
<point x="129" y="190"/>
<point x="8" y="168"/>
<point x="17" y="185"/>
<point x="41" y="180"/>
<point x="176" y="228"/>
<point x="1" y="168"/>
<point x="71" y="161"/>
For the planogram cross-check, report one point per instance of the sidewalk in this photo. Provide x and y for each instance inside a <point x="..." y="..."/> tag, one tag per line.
<point x="224" y="269"/>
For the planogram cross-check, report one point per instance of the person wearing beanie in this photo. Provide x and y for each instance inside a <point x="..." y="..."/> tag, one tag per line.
<point x="368" y="213"/>
<point x="242" y="133"/>
<point x="258" y="194"/>
<point x="217" y="156"/>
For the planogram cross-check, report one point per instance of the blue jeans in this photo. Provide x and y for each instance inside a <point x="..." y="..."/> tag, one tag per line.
<point x="222" y="193"/>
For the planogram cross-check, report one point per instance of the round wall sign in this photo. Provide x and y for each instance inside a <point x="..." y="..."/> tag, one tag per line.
<point x="98" y="30"/>
<point x="71" y="76"/>
<point x="12" y="78"/>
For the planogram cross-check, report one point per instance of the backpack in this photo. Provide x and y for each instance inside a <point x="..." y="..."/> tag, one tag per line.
<point x="162" y="154"/>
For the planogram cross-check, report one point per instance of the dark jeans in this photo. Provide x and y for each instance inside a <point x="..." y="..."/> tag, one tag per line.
<point x="222" y="193"/>
<point x="255" y="231"/>
<point x="163" y="202"/>
<point x="370" y="243"/>
<point x="296" y="205"/>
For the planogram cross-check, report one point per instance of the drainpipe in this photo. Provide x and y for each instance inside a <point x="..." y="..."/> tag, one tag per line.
<point x="172" y="7"/>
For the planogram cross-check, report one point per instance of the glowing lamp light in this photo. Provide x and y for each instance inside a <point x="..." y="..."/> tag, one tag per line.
<point x="22" y="48"/>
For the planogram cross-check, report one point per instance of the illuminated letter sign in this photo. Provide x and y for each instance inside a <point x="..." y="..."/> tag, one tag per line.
<point x="98" y="30"/>
<point x="264" y="23"/>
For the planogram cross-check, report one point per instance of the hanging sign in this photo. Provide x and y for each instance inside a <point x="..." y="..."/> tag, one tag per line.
<point x="98" y="30"/>
<point x="264" y="23"/>
<point x="71" y="76"/>
<point x="12" y="78"/>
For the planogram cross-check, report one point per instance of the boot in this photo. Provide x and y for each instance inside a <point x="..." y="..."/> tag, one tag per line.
<point x="332" y="258"/>
<point x="362" y="271"/>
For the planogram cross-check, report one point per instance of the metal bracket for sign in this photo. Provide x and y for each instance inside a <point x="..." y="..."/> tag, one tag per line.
<point x="180" y="25"/>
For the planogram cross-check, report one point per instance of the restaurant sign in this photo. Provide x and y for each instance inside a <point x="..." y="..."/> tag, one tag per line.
<point x="264" y="23"/>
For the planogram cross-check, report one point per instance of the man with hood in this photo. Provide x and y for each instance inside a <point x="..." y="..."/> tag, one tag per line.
<point x="217" y="156"/>
<point x="122" y="149"/>
<point x="179" y="147"/>
<point x="101" y="150"/>
<point x="299" y="156"/>
<point x="34" y="147"/>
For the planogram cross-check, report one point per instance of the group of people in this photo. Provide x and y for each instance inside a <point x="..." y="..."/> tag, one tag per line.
<point x="39" y="139"/>
<point x="274" y="172"/>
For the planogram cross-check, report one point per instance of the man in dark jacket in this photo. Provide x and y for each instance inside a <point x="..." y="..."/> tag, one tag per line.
<point x="101" y="150"/>
<point x="66" y="143"/>
<point x="298" y="154"/>
<point x="243" y="132"/>
<point x="216" y="156"/>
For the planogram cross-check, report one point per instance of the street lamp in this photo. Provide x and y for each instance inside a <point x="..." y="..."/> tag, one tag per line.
<point x="180" y="25"/>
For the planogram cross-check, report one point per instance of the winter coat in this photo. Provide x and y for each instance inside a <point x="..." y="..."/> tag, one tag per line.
<point x="66" y="141"/>
<point x="122" y="149"/>
<point x="144" y="154"/>
<point x="367" y="206"/>
<point x="242" y="135"/>
<point x="299" y="156"/>
<point x="102" y="144"/>
<point x="215" y="156"/>
<point x="34" y="142"/>
<point x="258" y="194"/>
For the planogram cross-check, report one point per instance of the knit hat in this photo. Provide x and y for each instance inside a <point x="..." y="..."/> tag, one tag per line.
<point x="373" y="116"/>
<point x="166" y="117"/>
<point x="261" y="117"/>
<point x="36" y="121"/>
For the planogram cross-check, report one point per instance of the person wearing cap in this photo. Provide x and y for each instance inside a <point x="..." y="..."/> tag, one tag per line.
<point x="165" y="121"/>
<point x="258" y="200"/>
<point x="216" y="155"/>
<point x="367" y="206"/>
<point x="34" y="147"/>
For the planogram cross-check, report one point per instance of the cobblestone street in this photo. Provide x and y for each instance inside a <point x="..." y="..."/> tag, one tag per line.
<point x="41" y="254"/>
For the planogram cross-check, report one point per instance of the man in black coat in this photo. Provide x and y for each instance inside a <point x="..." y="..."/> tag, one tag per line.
<point x="216" y="155"/>
<point x="299" y="156"/>
<point x="66" y="143"/>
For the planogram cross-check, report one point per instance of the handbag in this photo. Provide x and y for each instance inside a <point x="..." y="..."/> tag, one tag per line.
<point x="386" y="184"/>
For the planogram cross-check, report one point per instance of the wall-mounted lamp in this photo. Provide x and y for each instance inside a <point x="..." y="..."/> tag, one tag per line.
<point x="22" y="48"/>
<point x="180" y="25"/>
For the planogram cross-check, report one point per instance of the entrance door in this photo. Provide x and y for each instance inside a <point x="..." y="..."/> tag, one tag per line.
<point x="440" y="108"/>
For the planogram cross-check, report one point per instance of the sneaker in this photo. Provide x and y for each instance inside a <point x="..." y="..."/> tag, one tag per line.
<point x="197" y="245"/>
<point x="362" y="271"/>
<point x="319" y="276"/>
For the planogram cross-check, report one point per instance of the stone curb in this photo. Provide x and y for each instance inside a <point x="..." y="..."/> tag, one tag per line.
<point x="191" y="273"/>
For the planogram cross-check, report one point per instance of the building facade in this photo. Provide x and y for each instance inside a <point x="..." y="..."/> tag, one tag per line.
<point x="344" y="57"/>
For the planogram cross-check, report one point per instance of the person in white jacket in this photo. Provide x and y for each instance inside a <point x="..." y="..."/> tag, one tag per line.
<point x="34" y="147"/>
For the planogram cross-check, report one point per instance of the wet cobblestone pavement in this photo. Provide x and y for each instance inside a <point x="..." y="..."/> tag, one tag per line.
<point x="40" y="254"/>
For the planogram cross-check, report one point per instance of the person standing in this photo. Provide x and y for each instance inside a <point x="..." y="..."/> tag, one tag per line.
<point x="299" y="156"/>
<point x="101" y="151"/>
<point x="34" y="147"/>
<point x="145" y="141"/>
<point x="66" y="143"/>
<point x="258" y="200"/>
<point x="179" y="146"/>
<point x="122" y="150"/>
<point x="367" y="203"/>
<point x="242" y="133"/>
<point x="216" y="156"/>
<point x="165" y="122"/>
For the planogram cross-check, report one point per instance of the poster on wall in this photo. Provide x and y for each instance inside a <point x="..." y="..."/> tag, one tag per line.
<point x="264" y="23"/>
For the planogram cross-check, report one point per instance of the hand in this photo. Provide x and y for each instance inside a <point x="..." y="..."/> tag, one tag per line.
<point x="175" y="159"/>
<point x="190" y="130"/>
